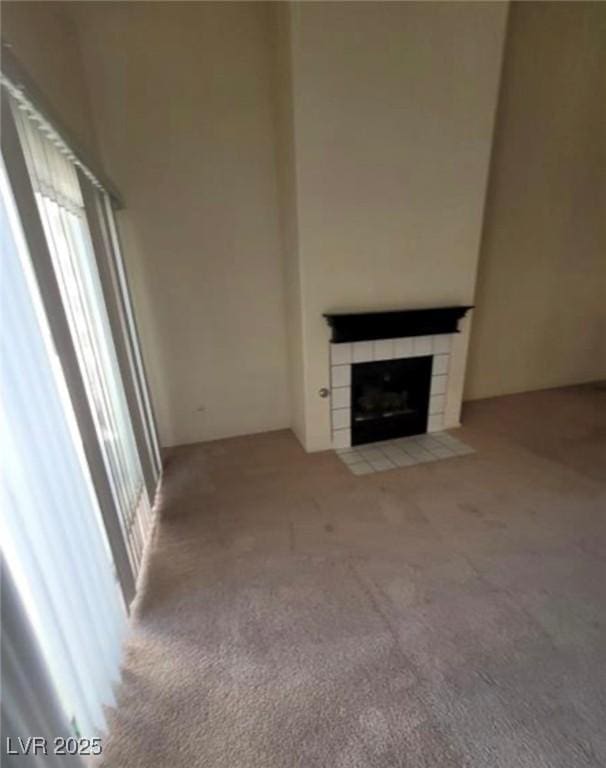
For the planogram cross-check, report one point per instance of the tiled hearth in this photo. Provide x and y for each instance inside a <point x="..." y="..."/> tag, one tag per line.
<point x="344" y="355"/>
<point x="403" y="452"/>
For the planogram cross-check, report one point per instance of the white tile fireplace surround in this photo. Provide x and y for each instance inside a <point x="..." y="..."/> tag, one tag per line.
<point x="344" y="355"/>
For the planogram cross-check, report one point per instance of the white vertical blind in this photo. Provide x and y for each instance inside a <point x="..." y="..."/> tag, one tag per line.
<point x="131" y="330"/>
<point x="61" y="208"/>
<point x="51" y="532"/>
<point x="29" y="700"/>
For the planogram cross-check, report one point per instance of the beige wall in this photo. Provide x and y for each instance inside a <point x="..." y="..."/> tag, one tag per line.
<point x="281" y="162"/>
<point x="541" y="297"/>
<point x="287" y="195"/>
<point x="44" y="40"/>
<point x="393" y="113"/>
<point x="184" y="117"/>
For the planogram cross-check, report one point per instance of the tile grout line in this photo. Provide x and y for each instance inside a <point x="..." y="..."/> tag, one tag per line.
<point x="438" y="445"/>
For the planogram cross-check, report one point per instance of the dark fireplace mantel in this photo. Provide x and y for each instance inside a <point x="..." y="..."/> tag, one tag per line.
<point x="394" y="324"/>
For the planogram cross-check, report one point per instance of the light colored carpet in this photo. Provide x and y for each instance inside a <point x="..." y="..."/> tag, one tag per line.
<point x="444" y="615"/>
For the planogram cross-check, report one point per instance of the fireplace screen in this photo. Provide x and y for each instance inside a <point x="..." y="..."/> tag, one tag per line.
<point x="389" y="399"/>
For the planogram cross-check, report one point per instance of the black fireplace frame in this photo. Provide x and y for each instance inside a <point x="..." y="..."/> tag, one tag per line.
<point x="394" y="324"/>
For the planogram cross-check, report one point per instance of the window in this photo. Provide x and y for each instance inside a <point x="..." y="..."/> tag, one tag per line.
<point x="53" y="538"/>
<point x="58" y="195"/>
<point x="80" y="455"/>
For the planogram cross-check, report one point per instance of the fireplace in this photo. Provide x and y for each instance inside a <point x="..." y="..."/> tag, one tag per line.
<point x="390" y="373"/>
<point x="389" y="398"/>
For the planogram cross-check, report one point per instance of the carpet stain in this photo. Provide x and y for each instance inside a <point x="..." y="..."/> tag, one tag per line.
<point x="471" y="509"/>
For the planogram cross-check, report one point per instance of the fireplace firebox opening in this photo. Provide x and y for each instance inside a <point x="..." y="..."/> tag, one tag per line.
<point x="390" y="399"/>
